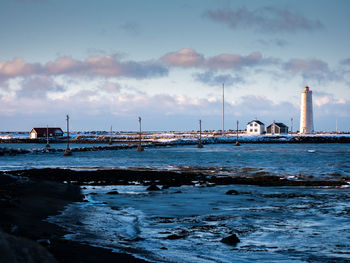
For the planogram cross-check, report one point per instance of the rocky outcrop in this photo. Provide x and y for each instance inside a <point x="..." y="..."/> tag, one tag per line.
<point x="21" y="250"/>
<point x="231" y="240"/>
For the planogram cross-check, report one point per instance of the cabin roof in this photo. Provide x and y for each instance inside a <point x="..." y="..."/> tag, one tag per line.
<point x="259" y="122"/>
<point x="279" y="124"/>
<point x="43" y="130"/>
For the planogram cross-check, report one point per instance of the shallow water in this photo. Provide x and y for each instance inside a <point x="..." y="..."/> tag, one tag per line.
<point x="317" y="160"/>
<point x="274" y="224"/>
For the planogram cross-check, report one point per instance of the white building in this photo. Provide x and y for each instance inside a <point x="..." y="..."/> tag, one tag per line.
<point x="306" y="114"/>
<point x="255" y="127"/>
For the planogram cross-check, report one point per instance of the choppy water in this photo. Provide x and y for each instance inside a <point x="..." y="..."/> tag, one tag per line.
<point x="274" y="224"/>
<point x="293" y="159"/>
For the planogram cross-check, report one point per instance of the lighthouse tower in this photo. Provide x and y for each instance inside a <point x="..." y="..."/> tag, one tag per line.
<point x="306" y="114"/>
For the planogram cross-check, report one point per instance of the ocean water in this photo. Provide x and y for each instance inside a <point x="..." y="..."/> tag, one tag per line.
<point x="274" y="224"/>
<point x="316" y="160"/>
<point x="186" y="224"/>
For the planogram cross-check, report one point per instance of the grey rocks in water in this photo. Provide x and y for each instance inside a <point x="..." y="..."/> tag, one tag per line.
<point x="153" y="187"/>
<point x="231" y="240"/>
<point x="113" y="193"/>
<point x="232" y="192"/>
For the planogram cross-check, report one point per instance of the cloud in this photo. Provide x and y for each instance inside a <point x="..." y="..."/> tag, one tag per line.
<point x="17" y="67"/>
<point x="131" y="28"/>
<point x="264" y="20"/>
<point x="103" y="66"/>
<point x="273" y="42"/>
<point x="310" y="69"/>
<point x="38" y="87"/>
<point x="186" y="57"/>
<point x="345" y="61"/>
<point x="211" y="79"/>
<point x="111" y="87"/>
<point x="234" y="61"/>
<point x="106" y="66"/>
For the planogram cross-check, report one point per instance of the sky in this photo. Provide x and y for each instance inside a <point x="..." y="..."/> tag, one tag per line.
<point x="107" y="62"/>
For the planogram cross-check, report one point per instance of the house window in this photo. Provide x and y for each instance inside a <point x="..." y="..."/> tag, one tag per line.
<point x="255" y="130"/>
<point x="251" y="130"/>
<point x="255" y="124"/>
<point x="251" y="124"/>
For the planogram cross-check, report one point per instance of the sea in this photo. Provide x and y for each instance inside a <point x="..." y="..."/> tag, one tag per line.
<point x="187" y="223"/>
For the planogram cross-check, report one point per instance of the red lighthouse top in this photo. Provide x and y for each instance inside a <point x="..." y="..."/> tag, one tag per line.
<point x="306" y="88"/>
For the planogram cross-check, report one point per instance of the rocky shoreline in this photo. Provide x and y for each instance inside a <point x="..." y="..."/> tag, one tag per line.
<point x="28" y="197"/>
<point x="25" y="236"/>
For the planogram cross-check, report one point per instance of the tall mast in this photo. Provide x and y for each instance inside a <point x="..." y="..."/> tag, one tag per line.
<point x="139" y="147"/>
<point x="237" y="143"/>
<point x="67" y="151"/>
<point x="223" y="108"/>
<point x="110" y="138"/>
<point x="47" y="137"/>
<point x="200" y="135"/>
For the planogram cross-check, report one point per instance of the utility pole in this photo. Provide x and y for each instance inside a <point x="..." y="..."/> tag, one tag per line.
<point x="223" y="109"/>
<point x="291" y="125"/>
<point x="110" y="138"/>
<point x="139" y="147"/>
<point x="67" y="152"/>
<point x="200" y="145"/>
<point x="237" y="143"/>
<point x="336" y="125"/>
<point x="47" y="137"/>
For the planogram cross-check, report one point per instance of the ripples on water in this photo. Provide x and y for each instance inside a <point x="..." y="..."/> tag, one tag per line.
<point x="274" y="224"/>
<point x="293" y="159"/>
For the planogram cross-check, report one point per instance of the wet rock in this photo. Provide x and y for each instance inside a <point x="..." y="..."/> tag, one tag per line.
<point x="232" y="192"/>
<point x="165" y="187"/>
<point x="113" y="193"/>
<point x="20" y="250"/>
<point x="175" y="236"/>
<point x="164" y="248"/>
<point x="231" y="240"/>
<point x="153" y="187"/>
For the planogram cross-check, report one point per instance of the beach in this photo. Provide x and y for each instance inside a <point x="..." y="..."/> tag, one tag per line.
<point x="25" y="204"/>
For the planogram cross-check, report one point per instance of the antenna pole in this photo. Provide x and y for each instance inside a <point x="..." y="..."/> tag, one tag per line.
<point x="67" y="152"/>
<point x="47" y="137"/>
<point x="237" y="143"/>
<point x="223" y="108"/>
<point x="139" y="147"/>
<point x="200" y="145"/>
<point x="110" y="138"/>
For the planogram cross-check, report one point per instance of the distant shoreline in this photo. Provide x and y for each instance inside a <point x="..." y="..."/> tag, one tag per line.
<point x="147" y="141"/>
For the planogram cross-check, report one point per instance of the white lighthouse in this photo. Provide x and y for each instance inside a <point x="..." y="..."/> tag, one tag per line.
<point x="306" y="114"/>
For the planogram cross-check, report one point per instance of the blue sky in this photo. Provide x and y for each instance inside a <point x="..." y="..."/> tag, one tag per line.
<point x="107" y="62"/>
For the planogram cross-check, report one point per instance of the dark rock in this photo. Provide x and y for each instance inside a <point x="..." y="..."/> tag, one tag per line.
<point x="113" y="193"/>
<point x="165" y="187"/>
<point x="175" y="236"/>
<point x="18" y="250"/>
<point x="153" y="187"/>
<point x="232" y="192"/>
<point x="231" y="240"/>
<point x="164" y="248"/>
